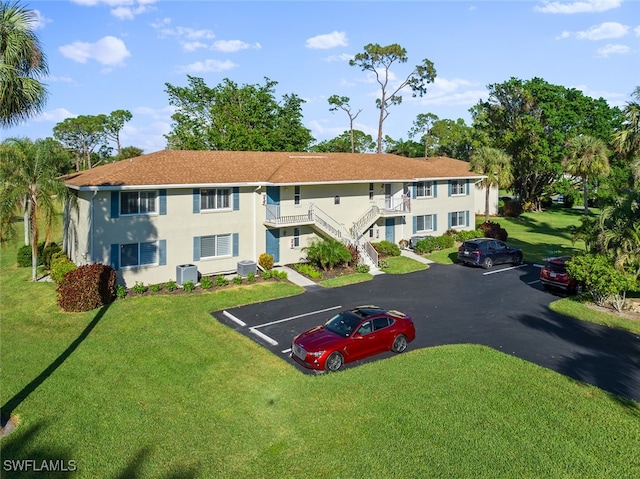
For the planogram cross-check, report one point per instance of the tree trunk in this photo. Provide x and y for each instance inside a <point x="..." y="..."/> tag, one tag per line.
<point x="585" y="195"/>
<point x="25" y="220"/>
<point x="486" y="204"/>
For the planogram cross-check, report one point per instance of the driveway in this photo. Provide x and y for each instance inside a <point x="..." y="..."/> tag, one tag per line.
<point x="503" y="308"/>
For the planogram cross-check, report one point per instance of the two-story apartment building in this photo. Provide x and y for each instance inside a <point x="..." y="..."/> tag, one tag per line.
<point x="152" y="215"/>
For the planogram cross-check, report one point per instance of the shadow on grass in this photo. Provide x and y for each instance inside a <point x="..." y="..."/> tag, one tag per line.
<point x="7" y="409"/>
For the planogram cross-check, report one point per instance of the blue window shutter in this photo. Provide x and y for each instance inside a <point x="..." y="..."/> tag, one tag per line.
<point x="449" y="225"/>
<point x="414" y="193"/>
<point x="196" y="248"/>
<point x="115" y="204"/>
<point x="196" y="200"/>
<point x="236" y="244"/>
<point x="435" y="222"/>
<point x="415" y="224"/>
<point x="163" y="202"/>
<point x="449" y="187"/>
<point x="435" y="189"/>
<point x="162" y="252"/>
<point x="468" y="187"/>
<point x="236" y="198"/>
<point x="115" y="256"/>
<point x="467" y="213"/>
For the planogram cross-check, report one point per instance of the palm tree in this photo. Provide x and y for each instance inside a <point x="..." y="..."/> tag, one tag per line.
<point x="627" y="140"/>
<point x="586" y="158"/>
<point x="22" y="64"/>
<point x="30" y="174"/>
<point x="620" y="232"/>
<point x="495" y="164"/>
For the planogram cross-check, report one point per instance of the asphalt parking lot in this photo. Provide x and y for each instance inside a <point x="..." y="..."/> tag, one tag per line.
<point x="504" y="308"/>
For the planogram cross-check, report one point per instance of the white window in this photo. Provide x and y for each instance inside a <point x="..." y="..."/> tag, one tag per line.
<point x="215" y="199"/>
<point x="139" y="254"/>
<point x="425" y="223"/>
<point x="216" y="245"/>
<point x="138" y="202"/>
<point x="424" y="189"/>
<point x="458" y="218"/>
<point x="296" y="237"/>
<point x="458" y="187"/>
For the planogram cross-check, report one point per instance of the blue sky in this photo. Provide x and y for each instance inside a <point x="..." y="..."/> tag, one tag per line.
<point x="107" y="55"/>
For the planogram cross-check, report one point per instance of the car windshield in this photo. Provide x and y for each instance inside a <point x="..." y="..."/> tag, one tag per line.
<point x="343" y="324"/>
<point x="556" y="267"/>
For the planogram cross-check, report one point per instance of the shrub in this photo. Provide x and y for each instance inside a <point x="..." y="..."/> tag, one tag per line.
<point x="188" y="286"/>
<point x="251" y="277"/>
<point x="280" y="274"/>
<point x="121" y="291"/>
<point x="266" y="274"/>
<point x="237" y="279"/>
<point x="171" y="285"/>
<point x="221" y="280"/>
<point x="206" y="282"/>
<point x="383" y="263"/>
<point x="139" y="288"/>
<point x="23" y="256"/>
<point x="462" y="236"/>
<point x="512" y="209"/>
<point x="355" y="254"/>
<point x="265" y="261"/>
<point x="47" y="254"/>
<point x="156" y="288"/>
<point x="386" y="248"/>
<point x="60" y="265"/>
<point x="493" y="230"/>
<point x="327" y="254"/>
<point x="362" y="268"/>
<point x="427" y="245"/>
<point x="87" y="287"/>
<point x="308" y="270"/>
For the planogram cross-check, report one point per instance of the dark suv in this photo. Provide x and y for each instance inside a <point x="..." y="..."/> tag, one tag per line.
<point x="553" y="275"/>
<point x="486" y="252"/>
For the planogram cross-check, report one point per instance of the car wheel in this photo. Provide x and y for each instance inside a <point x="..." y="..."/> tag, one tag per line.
<point x="334" y="362"/>
<point x="517" y="261"/>
<point x="399" y="344"/>
<point x="487" y="263"/>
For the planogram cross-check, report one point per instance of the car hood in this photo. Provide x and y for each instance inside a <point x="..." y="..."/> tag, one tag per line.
<point x="318" y="338"/>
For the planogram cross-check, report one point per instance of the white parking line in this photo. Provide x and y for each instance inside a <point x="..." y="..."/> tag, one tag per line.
<point x="296" y="317"/>
<point x="271" y="341"/>
<point x="504" y="269"/>
<point x="534" y="282"/>
<point x="286" y="351"/>
<point x="233" y="318"/>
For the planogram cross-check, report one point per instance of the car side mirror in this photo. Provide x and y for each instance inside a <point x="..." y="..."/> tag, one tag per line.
<point x="357" y="336"/>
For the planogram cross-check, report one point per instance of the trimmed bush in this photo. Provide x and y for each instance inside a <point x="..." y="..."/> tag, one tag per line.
<point x="386" y="248"/>
<point x="308" y="270"/>
<point x="221" y="280"/>
<point x="188" y="286"/>
<point x="88" y="287"/>
<point x="139" y="288"/>
<point x="206" y="282"/>
<point x="23" y="257"/>
<point x="47" y="254"/>
<point x="512" y="209"/>
<point x="171" y="285"/>
<point x="156" y="288"/>
<point x="265" y="261"/>
<point x="237" y="279"/>
<point x="60" y="265"/>
<point x="493" y="230"/>
<point x="251" y="277"/>
<point x="434" y="243"/>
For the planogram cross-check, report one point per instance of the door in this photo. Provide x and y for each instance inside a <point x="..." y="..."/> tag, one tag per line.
<point x="387" y="196"/>
<point x="273" y="243"/>
<point x="273" y="203"/>
<point x="390" y="230"/>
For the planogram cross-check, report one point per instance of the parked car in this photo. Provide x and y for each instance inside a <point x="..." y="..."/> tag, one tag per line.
<point x="554" y="275"/>
<point x="352" y="335"/>
<point x="486" y="252"/>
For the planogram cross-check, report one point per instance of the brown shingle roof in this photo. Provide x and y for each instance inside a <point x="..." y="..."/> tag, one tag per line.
<point x="174" y="167"/>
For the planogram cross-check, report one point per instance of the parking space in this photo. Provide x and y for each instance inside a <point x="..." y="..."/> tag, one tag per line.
<point x="507" y="310"/>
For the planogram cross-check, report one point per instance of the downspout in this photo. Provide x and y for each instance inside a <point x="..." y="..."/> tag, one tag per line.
<point x="91" y="208"/>
<point x="255" y="226"/>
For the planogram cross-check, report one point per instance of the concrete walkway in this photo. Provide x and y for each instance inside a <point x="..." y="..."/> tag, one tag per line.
<point x="410" y="254"/>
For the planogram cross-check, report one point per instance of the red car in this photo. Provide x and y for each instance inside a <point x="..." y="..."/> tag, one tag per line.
<point x="352" y="335"/>
<point x="553" y="275"/>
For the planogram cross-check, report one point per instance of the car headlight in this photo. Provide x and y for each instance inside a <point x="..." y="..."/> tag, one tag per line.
<point x="317" y="354"/>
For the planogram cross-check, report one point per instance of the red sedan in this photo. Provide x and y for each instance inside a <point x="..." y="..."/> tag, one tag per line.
<point x="352" y="335"/>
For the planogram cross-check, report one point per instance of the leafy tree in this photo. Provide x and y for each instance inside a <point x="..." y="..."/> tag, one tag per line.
<point x="355" y="141"/>
<point x="378" y="60"/>
<point x="30" y="174"/>
<point x="342" y="103"/>
<point x="22" y="65"/>
<point x="496" y="166"/>
<point x="586" y="158"/>
<point x="229" y="117"/>
<point x="113" y="126"/>
<point x="619" y="235"/>
<point x="532" y="121"/>
<point x="626" y="140"/>
<point x="422" y="124"/>
<point x="454" y="139"/>
<point x="409" y="148"/>
<point x="82" y="135"/>
<point x="129" y="152"/>
<point x="602" y="280"/>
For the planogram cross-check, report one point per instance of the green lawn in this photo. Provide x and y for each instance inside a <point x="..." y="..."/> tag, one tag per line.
<point x="156" y="387"/>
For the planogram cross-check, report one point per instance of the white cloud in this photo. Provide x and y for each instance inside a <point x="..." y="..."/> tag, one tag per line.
<point x="208" y="66"/>
<point x="108" y="51"/>
<point x="585" y="6"/>
<point x="637" y="31"/>
<point x="344" y="57"/>
<point x="230" y="46"/>
<point x="121" y="9"/>
<point x="54" y="116"/>
<point x="193" y="46"/>
<point x="603" y="31"/>
<point x="612" y="49"/>
<point x="328" y="40"/>
<point x="38" y="20"/>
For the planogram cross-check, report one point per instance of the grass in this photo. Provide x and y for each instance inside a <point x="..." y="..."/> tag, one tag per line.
<point x="155" y="387"/>
<point x="345" y="280"/>
<point x="574" y="308"/>
<point x="401" y="265"/>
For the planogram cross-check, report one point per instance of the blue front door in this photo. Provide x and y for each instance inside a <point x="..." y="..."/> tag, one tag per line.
<point x="390" y="230"/>
<point x="273" y="244"/>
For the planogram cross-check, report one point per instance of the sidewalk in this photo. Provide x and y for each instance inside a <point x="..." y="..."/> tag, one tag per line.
<point x="410" y="254"/>
<point x="295" y="277"/>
